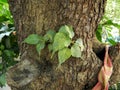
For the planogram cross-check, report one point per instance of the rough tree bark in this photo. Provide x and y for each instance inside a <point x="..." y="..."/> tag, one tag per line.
<point x="39" y="73"/>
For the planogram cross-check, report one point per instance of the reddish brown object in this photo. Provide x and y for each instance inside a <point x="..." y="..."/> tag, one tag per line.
<point x="105" y="73"/>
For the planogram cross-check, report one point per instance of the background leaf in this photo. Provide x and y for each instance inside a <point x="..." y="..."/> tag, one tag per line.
<point x="63" y="55"/>
<point x="111" y="41"/>
<point x="5" y="1"/>
<point x="99" y="33"/>
<point x="8" y="58"/>
<point x="2" y="80"/>
<point x="3" y="18"/>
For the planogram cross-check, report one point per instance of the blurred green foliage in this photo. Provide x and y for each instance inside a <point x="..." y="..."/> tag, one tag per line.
<point x="109" y="28"/>
<point x="8" y="41"/>
<point x="113" y="10"/>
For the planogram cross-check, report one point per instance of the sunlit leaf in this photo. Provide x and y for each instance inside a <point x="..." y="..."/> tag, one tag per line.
<point x="76" y="51"/>
<point x="68" y="30"/>
<point x="110" y="35"/>
<point x="5" y="1"/>
<point x="60" y="41"/>
<point x="79" y="42"/>
<point x="63" y="55"/>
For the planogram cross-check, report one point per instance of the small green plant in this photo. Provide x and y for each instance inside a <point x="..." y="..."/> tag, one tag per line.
<point x="61" y="42"/>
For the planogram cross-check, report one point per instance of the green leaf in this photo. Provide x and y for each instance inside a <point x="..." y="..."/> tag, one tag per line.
<point x="111" y="41"/>
<point x="99" y="33"/>
<point x="2" y="47"/>
<point x="109" y="34"/>
<point x="5" y="1"/>
<point x="80" y="43"/>
<point x="68" y="30"/>
<point x="40" y="46"/>
<point x="3" y="18"/>
<point x="116" y="25"/>
<point x="2" y="80"/>
<point x="32" y="39"/>
<point x="76" y="51"/>
<point x="1" y="66"/>
<point x="0" y="52"/>
<point x="7" y="42"/>
<point x="49" y="36"/>
<point x="63" y="55"/>
<point x="8" y="57"/>
<point x="108" y="22"/>
<point x="8" y="53"/>
<point x="60" y="41"/>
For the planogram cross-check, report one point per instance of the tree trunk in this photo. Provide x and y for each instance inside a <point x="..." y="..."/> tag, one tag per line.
<point x="40" y="73"/>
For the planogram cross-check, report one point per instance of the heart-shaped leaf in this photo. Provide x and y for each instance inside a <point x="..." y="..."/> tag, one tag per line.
<point x="79" y="42"/>
<point x="63" y="55"/>
<point x="32" y="39"/>
<point x="68" y="30"/>
<point x="60" y="41"/>
<point x="76" y="51"/>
